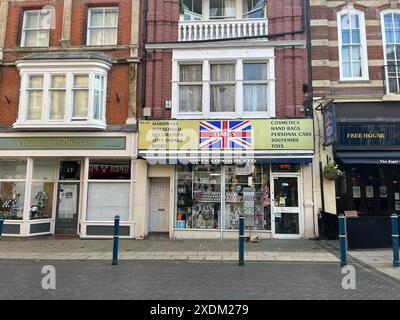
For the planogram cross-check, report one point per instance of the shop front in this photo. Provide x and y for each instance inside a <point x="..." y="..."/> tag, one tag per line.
<point x="57" y="183"/>
<point x="368" y="192"/>
<point x="369" y="155"/>
<point x="214" y="171"/>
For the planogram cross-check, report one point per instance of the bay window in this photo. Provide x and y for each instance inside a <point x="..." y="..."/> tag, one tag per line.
<point x="57" y="97"/>
<point x="352" y="46"/>
<point x="80" y="96"/>
<point x="71" y="96"/>
<point x="35" y="97"/>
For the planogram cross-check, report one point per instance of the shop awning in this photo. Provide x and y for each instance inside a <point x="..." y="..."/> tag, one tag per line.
<point x="174" y="157"/>
<point x="370" y="157"/>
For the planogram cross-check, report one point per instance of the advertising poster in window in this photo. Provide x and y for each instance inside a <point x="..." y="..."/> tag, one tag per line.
<point x="356" y="192"/>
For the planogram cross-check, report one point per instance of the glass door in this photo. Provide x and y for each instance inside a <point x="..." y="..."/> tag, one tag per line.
<point x="286" y="212"/>
<point x="67" y="209"/>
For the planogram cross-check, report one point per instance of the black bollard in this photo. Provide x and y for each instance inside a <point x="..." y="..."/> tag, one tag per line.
<point x="116" y="241"/>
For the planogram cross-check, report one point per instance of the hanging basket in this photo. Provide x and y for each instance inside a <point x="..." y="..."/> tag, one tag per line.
<point x="331" y="175"/>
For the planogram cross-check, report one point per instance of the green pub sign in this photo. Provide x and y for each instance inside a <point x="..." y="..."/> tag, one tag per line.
<point x="63" y="143"/>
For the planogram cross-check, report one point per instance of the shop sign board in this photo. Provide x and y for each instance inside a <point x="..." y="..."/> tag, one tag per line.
<point x="63" y="143"/>
<point x="329" y="117"/>
<point x="259" y="134"/>
<point x="368" y="135"/>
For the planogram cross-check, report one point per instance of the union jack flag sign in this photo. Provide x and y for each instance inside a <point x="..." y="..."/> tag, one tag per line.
<point x="225" y="134"/>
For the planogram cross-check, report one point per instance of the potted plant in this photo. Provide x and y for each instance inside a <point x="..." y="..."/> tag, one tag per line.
<point x="331" y="171"/>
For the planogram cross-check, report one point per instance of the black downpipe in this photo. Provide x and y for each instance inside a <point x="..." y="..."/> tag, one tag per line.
<point x="310" y="92"/>
<point x="144" y="56"/>
<point x="267" y="36"/>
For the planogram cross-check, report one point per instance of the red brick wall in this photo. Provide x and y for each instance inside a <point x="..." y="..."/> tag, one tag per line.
<point x="375" y="52"/>
<point x="9" y="87"/>
<point x="290" y="64"/>
<point x="118" y="79"/>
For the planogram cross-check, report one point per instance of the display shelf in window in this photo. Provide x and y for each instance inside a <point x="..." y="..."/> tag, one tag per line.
<point x="200" y="196"/>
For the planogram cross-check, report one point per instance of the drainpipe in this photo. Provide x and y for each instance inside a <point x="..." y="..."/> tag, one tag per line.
<point x="144" y="55"/>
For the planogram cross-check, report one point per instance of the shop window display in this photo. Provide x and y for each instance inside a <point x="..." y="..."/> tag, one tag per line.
<point x="42" y="190"/>
<point x="247" y="191"/>
<point x="201" y="198"/>
<point x="12" y="188"/>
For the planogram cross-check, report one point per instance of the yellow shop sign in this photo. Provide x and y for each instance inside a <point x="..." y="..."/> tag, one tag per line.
<point x="258" y="134"/>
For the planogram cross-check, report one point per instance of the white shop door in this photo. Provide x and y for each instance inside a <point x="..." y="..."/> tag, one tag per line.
<point x="159" y="205"/>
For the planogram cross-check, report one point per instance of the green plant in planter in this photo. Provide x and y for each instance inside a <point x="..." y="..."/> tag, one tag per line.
<point x="331" y="170"/>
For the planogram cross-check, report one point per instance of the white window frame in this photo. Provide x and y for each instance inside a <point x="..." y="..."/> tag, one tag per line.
<point x="89" y="27"/>
<point x="256" y="82"/>
<point x="24" y="29"/>
<point x="206" y="13"/>
<point x="211" y="56"/>
<point x="383" y="13"/>
<point x="69" y="70"/>
<point x="225" y="114"/>
<point x="363" y="39"/>
<point x="194" y="83"/>
<point x="57" y="89"/>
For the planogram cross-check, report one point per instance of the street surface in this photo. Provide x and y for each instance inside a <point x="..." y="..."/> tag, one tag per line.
<point x="156" y="280"/>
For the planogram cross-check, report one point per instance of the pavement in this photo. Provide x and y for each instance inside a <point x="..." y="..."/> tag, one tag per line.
<point x="159" y="248"/>
<point x="159" y="268"/>
<point x="191" y="280"/>
<point x="379" y="259"/>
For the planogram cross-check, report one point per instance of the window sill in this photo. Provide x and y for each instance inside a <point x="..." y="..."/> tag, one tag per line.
<point x="71" y="48"/>
<point x="391" y="97"/>
<point x="46" y="126"/>
<point x="105" y="47"/>
<point x="344" y="81"/>
<point x="229" y="115"/>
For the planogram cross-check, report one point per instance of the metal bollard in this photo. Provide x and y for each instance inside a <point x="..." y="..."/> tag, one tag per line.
<point x="241" y="240"/>
<point x="116" y="241"/>
<point x="1" y="226"/>
<point x="395" y="239"/>
<point x="343" y="240"/>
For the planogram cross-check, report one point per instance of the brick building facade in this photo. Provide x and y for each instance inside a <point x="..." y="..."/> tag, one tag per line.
<point x="226" y="77"/>
<point x="68" y="83"/>
<point x="355" y="67"/>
